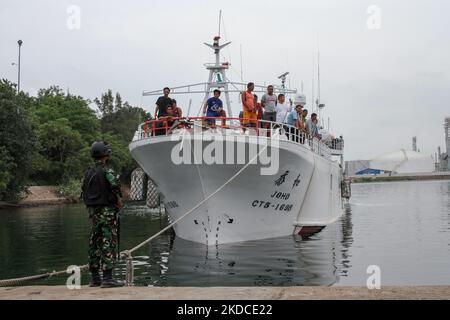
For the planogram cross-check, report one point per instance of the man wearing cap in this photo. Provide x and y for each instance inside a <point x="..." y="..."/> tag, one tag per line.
<point x="101" y="192"/>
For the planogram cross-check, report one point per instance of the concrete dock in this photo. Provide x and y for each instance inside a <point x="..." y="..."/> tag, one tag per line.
<point x="225" y="293"/>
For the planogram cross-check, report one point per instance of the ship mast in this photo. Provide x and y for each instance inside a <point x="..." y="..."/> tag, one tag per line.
<point x="319" y="106"/>
<point x="218" y="79"/>
<point x="217" y="75"/>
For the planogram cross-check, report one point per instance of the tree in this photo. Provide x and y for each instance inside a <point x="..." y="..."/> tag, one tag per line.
<point x="46" y="139"/>
<point x="53" y="104"/>
<point x="59" y="155"/>
<point x="118" y="102"/>
<point x="66" y="127"/>
<point x="118" y="126"/>
<point x="17" y="141"/>
<point x="117" y="117"/>
<point x="124" y="122"/>
<point x="106" y="103"/>
<point x="6" y="164"/>
<point x="121" y="159"/>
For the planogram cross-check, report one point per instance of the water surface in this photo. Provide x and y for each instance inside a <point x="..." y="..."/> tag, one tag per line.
<point x="402" y="227"/>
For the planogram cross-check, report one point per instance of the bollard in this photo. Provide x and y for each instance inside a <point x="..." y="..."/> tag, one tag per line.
<point x="130" y="271"/>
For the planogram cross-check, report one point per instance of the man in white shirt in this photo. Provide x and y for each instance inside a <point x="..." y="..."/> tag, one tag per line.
<point x="282" y="108"/>
<point x="269" y="103"/>
<point x="312" y="126"/>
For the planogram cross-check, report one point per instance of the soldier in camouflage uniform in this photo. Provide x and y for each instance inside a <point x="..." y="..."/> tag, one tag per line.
<point x="102" y="194"/>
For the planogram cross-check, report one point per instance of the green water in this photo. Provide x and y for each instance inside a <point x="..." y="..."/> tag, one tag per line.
<point x="43" y="239"/>
<point x="402" y="227"/>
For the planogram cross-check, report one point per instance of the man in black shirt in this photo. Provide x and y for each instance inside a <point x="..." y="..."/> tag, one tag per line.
<point x="162" y="103"/>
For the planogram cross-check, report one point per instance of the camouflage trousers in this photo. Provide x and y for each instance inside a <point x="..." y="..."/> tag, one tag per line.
<point x="103" y="241"/>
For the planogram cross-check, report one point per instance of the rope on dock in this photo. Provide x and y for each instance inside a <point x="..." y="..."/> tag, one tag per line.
<point x="127" y="254"/>
<point x="20" y="281"/>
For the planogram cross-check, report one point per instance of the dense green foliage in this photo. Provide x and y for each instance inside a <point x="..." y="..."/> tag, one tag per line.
<point x="117" y="118"/>
<point x="71" y="190"/>
<point x="17" y="140"/>
<point x="46" y="139"/>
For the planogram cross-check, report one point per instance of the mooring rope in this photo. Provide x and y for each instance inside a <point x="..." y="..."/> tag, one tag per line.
<point x="19" y="281"/>
<point x="126" y="254"/>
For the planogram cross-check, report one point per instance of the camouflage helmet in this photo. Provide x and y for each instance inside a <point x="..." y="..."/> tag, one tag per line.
<point x="100" y="149"/>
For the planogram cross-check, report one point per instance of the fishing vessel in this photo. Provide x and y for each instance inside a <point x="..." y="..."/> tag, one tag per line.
<point x="227" y="182"/>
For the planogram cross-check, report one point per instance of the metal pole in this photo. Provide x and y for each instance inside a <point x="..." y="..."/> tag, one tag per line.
<point x="318" y="76"/>
<point x="20" y="42"/>
<point x="189" y="109"/>
<point x="220" y="20"/>
<point x="242" y="72"/>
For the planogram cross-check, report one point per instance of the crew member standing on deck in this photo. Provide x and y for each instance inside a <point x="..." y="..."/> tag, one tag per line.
<point x="102" y="196"/>
<point x="213" y="108"/>
<point x="162" y="103"/>
<point x="282" y="109"/>
<point x="269" y="103"/>
<point x="248" y="103"/>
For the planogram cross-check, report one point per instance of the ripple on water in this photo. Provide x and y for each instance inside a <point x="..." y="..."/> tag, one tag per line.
<point x="402" y="227"/>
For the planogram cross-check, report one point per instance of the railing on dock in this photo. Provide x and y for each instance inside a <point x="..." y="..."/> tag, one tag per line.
<point x="241" y="126"/>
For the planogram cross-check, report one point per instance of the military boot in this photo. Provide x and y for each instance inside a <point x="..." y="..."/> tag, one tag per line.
<point x="109" y="282"/>
<point x="96" y="280"/>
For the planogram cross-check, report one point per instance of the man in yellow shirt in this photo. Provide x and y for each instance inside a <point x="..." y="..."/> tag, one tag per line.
<point x="248" y="103"/>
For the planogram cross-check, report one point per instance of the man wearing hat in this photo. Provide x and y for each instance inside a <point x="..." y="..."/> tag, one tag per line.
<point x="101" y="192"/>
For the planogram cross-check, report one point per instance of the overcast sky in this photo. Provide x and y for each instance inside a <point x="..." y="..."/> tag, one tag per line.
<point x="381" y="86"/>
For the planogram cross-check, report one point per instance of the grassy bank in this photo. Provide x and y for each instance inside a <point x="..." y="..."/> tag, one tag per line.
<point x="52" y="195"/>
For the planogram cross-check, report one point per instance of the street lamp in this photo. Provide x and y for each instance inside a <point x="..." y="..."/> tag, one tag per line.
<point x="20" y="42"/>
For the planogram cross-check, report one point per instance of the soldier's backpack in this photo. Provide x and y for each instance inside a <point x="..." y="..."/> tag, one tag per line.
<point x="96" y="191"/>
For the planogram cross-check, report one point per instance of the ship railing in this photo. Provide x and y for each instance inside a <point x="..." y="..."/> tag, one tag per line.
<point x="336" y="146"/>
<point x="240" y="126"/>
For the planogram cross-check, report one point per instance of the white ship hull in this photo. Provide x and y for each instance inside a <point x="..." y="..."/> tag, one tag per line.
<point x="250" y="207"/>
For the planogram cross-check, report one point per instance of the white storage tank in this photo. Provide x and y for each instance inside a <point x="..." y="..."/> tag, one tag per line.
<point x="403" y="161"/>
